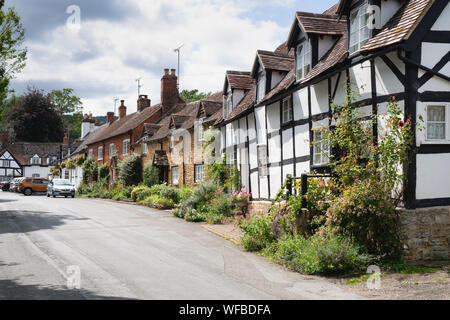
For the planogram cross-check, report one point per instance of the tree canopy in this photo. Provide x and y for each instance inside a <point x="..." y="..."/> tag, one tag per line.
<point x="65" y="101"/>
<point x="12" y="53"/>
<point x="193" y="95"/>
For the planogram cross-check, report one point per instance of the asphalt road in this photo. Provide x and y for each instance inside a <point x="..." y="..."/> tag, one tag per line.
<point x="129" y="252"/>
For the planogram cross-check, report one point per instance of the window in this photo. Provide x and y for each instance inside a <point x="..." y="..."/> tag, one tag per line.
<point x="6" y="163"/>
<point x="100" y="153"/>
<point x="200" y="131"/>
<point x="359" y="29"/>
<point x="199" y="173"/>
<point x="436" y="123"/>
<point x="261" y="87"/>
<point x="66" y="174"/>
<point x="125" y="147"/>
<point x="36" y="160"/>
<point x="321" y="148"/>
<point x="287" y="110"/>
<point x="36" y="175"/>
<point x="262" y="161"/>
<point x="91" y="153"/>
<point x="228" y="103"/>
<point x="111" y="150"/>
<point x="303" y="59"/>
<point x="144" y="148"/>
<point x="175" y="176"/>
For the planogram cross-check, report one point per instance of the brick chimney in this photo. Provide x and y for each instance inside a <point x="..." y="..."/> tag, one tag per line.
<point x="66" y="138"/>
<point x="143" y="102"/>
<point x="169" y="90"/>
<point x="122" y="109"/>
<point x="110" y="117"/>
<point x="5" y="139"/>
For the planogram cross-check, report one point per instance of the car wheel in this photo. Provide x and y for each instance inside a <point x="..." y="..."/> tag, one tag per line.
<point x="48" y="195"/>
<point x="53" y="195"/>
<point x="65" y="197"/>
<point x="28" y="192"/>
<point x="73" y="197"/>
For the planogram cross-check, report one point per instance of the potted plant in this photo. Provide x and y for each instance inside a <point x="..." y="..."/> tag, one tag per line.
<point x="241" y="199"/>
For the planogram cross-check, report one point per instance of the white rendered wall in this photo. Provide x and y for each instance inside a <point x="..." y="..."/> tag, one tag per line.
<point x="443" y="22"/>
<point x="433" y="183"/>
<point x="29" y="171"/>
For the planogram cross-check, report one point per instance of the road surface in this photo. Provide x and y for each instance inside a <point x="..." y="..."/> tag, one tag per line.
<point x="95" y="249"/>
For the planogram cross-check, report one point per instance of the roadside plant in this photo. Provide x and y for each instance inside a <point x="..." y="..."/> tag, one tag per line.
<point x="103" y="172"/>
<point x="257" y="232"/>
<point x="130" y="170"/>
<point x="90" y="171"/>
<point x="151" y="175"/>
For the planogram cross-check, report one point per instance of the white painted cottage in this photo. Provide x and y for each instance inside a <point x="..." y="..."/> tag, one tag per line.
<point x="385" y="48"/>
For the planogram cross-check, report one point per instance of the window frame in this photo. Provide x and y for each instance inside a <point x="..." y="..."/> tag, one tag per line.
<point x="91" y="153"/>
<point x="127" y="142"/>
<point x="200" y="131"/>
<point x="198" y="179"/>
<point x="302" y="55"/>
<point x="359" y="28"/>
<point x="263" y="162"/>
<point x="322" y="151"/>
<point x="35" y="157"/>
<point x="177" y="182"/>
<point x="446" y="123"/>
<point x="261" y="86"/>
<point x="100" y="153"/>
<point x="290" y="110"/>
<point x="111" y="150"/>
<point x="144" y="148"/>
<point x="4" y="163"/>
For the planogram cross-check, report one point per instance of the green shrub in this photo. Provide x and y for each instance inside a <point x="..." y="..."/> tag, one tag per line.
<point x="219" y="208"/>
<point x="257" y="232"/>
<point x="167" y="192"/>
<point x="151" y="175"/>
<point x="158" y="202"/>
<point x="319" y="254"/>
<point x="366" y="213"/>
<point x="90" y="171"/>
<point x="193" y="215"/>
<point x="140" y="193"/>
<point x="185" y="193"/>
<point x="103" y="172"/>
<point x="130" y="173"/>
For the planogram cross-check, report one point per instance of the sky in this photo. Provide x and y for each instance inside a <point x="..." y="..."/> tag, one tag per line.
<point x="114" y="42"/>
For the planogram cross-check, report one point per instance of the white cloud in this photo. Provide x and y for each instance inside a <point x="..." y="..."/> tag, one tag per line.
<point x="104" y="58"/>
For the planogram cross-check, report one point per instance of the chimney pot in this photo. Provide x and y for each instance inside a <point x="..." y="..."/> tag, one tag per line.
<point x="143" y="102"/>
<point x="169" y="91"/>
<point x="172" y="72"/>
<point x="122" y="109"/>
<point x="110" y="117"/>
<point x="166" y="72"/>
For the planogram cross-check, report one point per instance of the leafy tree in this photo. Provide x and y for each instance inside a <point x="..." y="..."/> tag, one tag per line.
<point x="73" y="123"/>
<point x="65" y="101"/>
<point x="90" y="171"/>
<point x="193" y="95"/>
<point x="7" y="105"/>
<point x="151" y="175"/>
<point x="130" y="173"/>
<point x="35" y="119"/>
<point x="12" y="54"/>
<point x="103" y="172"/>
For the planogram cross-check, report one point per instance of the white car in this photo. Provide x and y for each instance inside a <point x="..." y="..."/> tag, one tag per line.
<point x="61" y="187"/>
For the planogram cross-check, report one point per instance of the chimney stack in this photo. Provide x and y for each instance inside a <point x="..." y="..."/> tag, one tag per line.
<point x="169" y="90"/>
<point x="122" y="109"/>
<point x="5" y="139"/>
<point x="143" y="102"/>
<point x="110" y="117"/>
<point x="66" y="139"/>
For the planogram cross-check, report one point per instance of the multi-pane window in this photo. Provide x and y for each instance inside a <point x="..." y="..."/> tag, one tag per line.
<point x="303" y="59"/>
<point x="228" y="104"/>
<point x="100" y="153"/>
<point x="111" y="150"/>
<point x="199" y="173"/>
<point x="359" y="28"/>
<point x="436" y="123"/>
<point x="321" y="148"/>
<point x="91" y="153"/>
<point x="261" y="87"/>
<point x="262" y="161"/>
<point x="36" y="160"/>
<point x="200" y="131"/>
<point x="175" y="176"/>
<point x="287" y="110"/>
<point x="6" y="163"/>
<point x="125" y="146"/>
<point x="144" y="148"/>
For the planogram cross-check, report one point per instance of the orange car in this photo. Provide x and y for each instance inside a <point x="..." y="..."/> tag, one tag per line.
<point x="28" y="186"/>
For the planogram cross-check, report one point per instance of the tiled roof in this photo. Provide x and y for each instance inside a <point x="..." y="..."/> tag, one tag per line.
<point x="247" y="103"/>
<point x="215" y="97"/>
<point x="178" y="120"/>
<point x="275" y="61"/>
<point x="161" y="158"/>
<point x="321" y="23"/>
<point x="24" y="151"/>
<point x="216" y="118"/>
<point x="126" y="124"/>
<point x="211" y="107"/>
<point x="239" y="80"/>
<point x="333" y="9"/>
<point x="283" y="49"/>
<point x="88" y="138"/>
<point x="400" y="26"/>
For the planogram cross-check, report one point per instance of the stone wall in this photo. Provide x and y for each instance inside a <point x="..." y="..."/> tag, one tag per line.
<point x="259" y="207"/>
<point x="426" y="234"/>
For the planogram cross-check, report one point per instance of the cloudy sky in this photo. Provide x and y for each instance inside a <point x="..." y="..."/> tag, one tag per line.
<point x="121" y="40"/>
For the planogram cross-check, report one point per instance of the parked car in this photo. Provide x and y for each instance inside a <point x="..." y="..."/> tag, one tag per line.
<point x="61" y="187"/>
<point x="5" y="185"/>
<point x="28" y="186"/>
<point x="14" y="184"/>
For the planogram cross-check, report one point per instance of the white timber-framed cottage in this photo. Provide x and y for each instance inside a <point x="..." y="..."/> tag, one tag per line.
<point x="384" y="49"/>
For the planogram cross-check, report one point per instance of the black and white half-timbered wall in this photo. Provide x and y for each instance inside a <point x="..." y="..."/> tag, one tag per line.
<point x="383" y="49"/>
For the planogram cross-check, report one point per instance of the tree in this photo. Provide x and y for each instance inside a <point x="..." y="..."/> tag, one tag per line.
<point x="65" y="101"/>
<point x="73" y="123"/>
<point x="193" y="95"/>
<point x="35" y="119"/>
<point x="12" y="54"/>
<point x="151" y="175"/>
<point x="130" y="170"/>
<point x="7" y="105"/>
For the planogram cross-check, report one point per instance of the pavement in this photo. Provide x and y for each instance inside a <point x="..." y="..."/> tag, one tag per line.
<point x="93" y="249"/>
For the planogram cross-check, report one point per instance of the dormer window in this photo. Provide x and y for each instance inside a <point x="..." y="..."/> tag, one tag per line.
<point x="261" y="87"/>
<point x="228" y="103"/>
<point x="359" y="28"/>
<point x="36" y="160"/>
<point x="303" y="59"/>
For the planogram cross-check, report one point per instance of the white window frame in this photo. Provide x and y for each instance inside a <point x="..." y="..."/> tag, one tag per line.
<point x="200" y="129"/>
<point x="324" y="153"/>
<point x="144" y="148"/>
<point x="263" y="161"/>
<point x="4" y="162"/>
<point x="199" y="173"/>
<point x="175" y="178"/>
<point x="125" y="147"/>
<point x="91" y="153"/>
<point x="261" y="86"/>
<point x="446" y="122"/>
<point x="36" y="157"/>
<point x="287" y="110"/>
<point x="303" y="60"/>
<point x="111" y="150"/>
<point x="358" y="28"/>
<point x="100" y="153"/>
